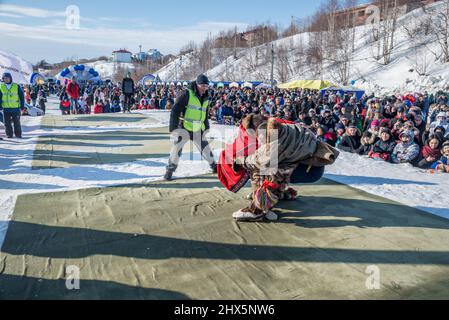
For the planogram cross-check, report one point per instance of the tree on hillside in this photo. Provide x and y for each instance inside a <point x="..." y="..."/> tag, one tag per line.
<point x="439" y="19"/>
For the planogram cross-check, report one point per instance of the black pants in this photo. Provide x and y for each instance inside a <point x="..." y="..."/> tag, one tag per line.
<point x="201" y="144"/>
<point x="127" y="104"/>
<point x="12" y="118"/>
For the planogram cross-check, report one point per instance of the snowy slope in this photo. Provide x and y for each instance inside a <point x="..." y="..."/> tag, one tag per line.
<point x="108" y="69"/>
<point x="252" y="63"/>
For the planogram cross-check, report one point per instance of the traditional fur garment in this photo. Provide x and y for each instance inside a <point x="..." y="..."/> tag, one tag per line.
<point x="283" y="148"/>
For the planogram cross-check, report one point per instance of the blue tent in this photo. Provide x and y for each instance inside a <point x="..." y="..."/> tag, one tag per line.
<point x="344" y="90"/>
<point x="37" y="78"/>
<point x="148" y="80"/>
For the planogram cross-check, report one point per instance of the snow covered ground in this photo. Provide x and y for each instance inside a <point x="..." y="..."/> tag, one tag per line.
<point x="107" y="69"/>
<point x="401" y="183"/>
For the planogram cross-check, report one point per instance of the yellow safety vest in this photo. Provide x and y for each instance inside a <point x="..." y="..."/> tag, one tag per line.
<point x="196" y="113"/>
<point x="10" y="98"/>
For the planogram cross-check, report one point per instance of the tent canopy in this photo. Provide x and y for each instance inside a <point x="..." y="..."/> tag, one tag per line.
<point x="344" y="90"/>
<point x="306" y="84"/>
<point x="19" y="69"/>
<point x="37" y="78"/>
<point x="148" y="80"/>
<point x="264" y="86"/>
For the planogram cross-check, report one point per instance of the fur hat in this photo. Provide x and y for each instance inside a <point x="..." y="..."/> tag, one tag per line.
<point x="407" y="133"/>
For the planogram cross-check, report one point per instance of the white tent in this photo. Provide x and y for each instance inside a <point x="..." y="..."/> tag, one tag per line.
<point x="247" y="85"/>
<point x="234" y="85"/>
<point x="263" y="86"/>
<point x="20" y="69"/>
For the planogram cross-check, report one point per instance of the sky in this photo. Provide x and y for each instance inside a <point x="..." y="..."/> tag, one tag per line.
<point x="38" y="30"/>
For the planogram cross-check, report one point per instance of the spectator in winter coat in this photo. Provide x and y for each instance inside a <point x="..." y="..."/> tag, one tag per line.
<point x="328" y="120"/>
<point x="225" y="111"/>
<point x="407" y="150"/>
<point x="98" y="107"/>
<point x="440" y="122"/>
<point x="350" y="142"/>
<point x="374" y="128"/>
<point x="367" y="142"/>
<point x="73" y="91"/>
<point x="443" y="165"/>
<point x="304" y="118"/>
<point x="430" y="153"/>
<point x="384" y="147"/>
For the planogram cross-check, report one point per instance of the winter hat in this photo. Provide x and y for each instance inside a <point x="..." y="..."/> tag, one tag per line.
<point x="407" y="133"/>
<point x="202" y="79"/>
<point x="375" y="123"/>
<point x="340" y="126"/>
<point x="442" y="114"/>
<point x="385" y="130"/>
<point x="385" y="123"/>
<point x="7" y="75"/>
<point x="440" y="128"/>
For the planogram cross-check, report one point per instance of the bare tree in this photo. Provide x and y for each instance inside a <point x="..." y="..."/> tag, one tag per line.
<point x="283" y="67"/>
<point x="440" y="28"/>
<point x="384" y="30"/>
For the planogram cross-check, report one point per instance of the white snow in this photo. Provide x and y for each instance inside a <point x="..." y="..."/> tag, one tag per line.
<point x="107" y="69"/>
<point x="402" y="183"/>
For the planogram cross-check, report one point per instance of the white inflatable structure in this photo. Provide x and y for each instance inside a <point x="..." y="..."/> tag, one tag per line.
<point x="20" y="69"/>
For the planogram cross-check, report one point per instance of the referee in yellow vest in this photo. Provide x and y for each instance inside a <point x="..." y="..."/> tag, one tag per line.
<point x="188" y="122"/>
<point x="11" y="102"/>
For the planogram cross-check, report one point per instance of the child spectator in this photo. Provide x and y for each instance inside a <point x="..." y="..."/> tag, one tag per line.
<point x="98" y="107"/>
<point x="407" y="150"/>
<point x="350" y="142"/>
<point x="430" y="153"/>
<point x="442" y="165"/>
<point x="384" y="147"/>
<point x="367" y="143"/>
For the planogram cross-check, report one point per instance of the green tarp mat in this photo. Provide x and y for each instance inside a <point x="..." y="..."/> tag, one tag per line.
<point x="178" y="241"/>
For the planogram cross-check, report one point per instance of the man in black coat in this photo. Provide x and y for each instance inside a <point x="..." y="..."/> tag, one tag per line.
<point x="199" y="89"/>
<point x="351" y="140"/>
<point x="128" y="89"/>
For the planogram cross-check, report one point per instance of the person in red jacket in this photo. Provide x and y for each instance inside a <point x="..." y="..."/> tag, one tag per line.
<point x="99" y="107"/>
<point x="73" y="91"/>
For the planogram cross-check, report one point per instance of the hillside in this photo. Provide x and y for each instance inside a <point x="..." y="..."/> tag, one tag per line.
<point x="411" y="56"/>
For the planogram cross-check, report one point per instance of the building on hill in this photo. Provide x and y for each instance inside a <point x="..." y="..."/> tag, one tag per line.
<point x="361" y="14"/>
<point x="152" y="54"/>
<point x="122" y="56"/>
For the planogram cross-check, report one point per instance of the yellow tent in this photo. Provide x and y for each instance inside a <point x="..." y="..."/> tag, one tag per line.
<point x="306" y="84"/>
